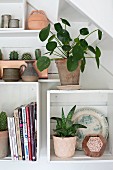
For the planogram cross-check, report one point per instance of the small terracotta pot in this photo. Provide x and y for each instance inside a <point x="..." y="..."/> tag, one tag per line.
<point x="3" y="144"/>
<point x="64" y="147"/>
<point x="66" y="77"/>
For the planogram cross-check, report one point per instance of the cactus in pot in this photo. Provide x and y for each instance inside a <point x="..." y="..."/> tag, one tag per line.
<point x="3" y="121"/>
<point x="14" y="55"/>
<point x="3" y="135"/>
<point x="26" y="56"/>
<point x="0" y="54"/>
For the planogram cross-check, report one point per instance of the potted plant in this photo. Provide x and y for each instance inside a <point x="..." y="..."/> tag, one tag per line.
<point x="3" y="135"/>
<point x="70" y="54"/>
<point x="65" y="134"/>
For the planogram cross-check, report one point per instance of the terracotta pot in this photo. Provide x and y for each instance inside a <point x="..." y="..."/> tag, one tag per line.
<point x="66" y="77"/>
<point x="64" y="147"/>
<point x="37" y="20"/>
<point x="17" y="64"/>
<point x="3" y="144"/>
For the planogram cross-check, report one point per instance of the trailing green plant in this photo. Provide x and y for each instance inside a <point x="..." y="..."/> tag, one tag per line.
<point x="37" y="54"/>
<point x="0" y="54"/>
<point x="65" y="127"/>
<point x="60" y="44"/>
<point x="3" y="121"/>
<point x="26" y="56"/>
<point x="14" y="55"/>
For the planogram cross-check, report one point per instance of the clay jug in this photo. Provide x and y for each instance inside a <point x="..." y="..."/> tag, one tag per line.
<point x="37" y="20"/>
<point x="28" y="73"/>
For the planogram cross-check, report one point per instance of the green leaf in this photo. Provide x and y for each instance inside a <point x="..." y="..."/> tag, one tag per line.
<point x="37" y="54"/>
<point x="98" y="52"/>
<point x="63" y="119"/>
<point x="91" y="49"/>
<point x="84" y="44"/>
<point x="44" y="33"/>
<point x="58" y="27"/>
<point x="76" y="40"/>
<point x="59" y="122"/>
<point x="50" y="46"/>
<point x="43" y="63"/>
<point x="66" y="47"/>
<point x="64" y="21"/>
<point x="64" y="36"/>
<point x="72" y="63"/>
<point x="83" y="63"/>
<point x="69" y="123"/>
<point x="84" y="31"/>
<point x="77" y="126"/>
<point x="78" y="52"/>
<point x="99" y="34"/>
<point x="51" y="38"/>
<point x="71" y="112"/>
<point x="97" y="61"/>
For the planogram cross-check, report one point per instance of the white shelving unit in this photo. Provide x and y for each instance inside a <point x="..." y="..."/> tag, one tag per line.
<point x="101" y="100"/>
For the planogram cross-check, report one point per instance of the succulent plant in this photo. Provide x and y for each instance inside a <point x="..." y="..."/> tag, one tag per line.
<point x="37" y="53"/>
<point x="3" y="121"/>
<point x="26" y="56"/>
<point x="14" y="55"/>
<point x="65" y="127"/>
<point x="0" y="54"/>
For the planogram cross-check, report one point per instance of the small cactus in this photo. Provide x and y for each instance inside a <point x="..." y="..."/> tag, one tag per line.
<point x="14" y="55"/>
<point x="0" y="54"/>
<point x="37" y="53"/>
<point x="26" y="56"/>
<point x="3" y="121"/>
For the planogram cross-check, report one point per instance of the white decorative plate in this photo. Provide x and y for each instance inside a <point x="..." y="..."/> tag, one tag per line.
<point x="95" y="121"/>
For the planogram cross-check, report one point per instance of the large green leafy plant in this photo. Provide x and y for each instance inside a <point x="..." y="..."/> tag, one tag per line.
<point x="65" y="127"/>
<point x="61" y="44"/>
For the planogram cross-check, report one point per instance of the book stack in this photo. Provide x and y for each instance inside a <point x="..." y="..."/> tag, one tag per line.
<point x="22" y="130"/>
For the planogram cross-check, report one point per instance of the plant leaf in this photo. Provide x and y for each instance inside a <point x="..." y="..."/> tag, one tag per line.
<point x="77" y="126"/>
<point x="76" y="40"/>
<point x="72" y="63"/>
<point x="66" y="47"/>
<point x="69" y="123"/>
<point x="51" y="38"/>
<point x="71" y="112"/>
<point x="43" y="63"/>
<point x="63" y="119"/>
<point x="44" y="33"/>
<point x="99" y="34"/>
<point x="64" y="36"/>
<point x="78" y="52"/>
<point x="97" y="61"/>
<point x="84" y="31"/>
<point x="98" y="52"/>
<point x="50" y="46"/>
<point x="91" y="49"/>
<point x="64" y="21"/>
<point x="84" y="44"/>
<point x="83" y="63"/>
<point x="58" y="27"/>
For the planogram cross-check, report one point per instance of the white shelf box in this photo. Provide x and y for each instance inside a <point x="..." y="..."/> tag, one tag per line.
<point x="15" y="94"/>
<point x="100" y="100"/>
<point x="15" y="8"/>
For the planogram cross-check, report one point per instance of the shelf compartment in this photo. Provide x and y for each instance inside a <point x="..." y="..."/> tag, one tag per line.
<point x="100" y="100"/>
<point x="15" y="95"/>
<point x="15" y="8"/>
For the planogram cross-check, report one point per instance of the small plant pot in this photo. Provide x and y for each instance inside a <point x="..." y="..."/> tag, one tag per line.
<point x="64" y="147"/>
<point x="66" y="77"/>
<point x="3" y="144"/>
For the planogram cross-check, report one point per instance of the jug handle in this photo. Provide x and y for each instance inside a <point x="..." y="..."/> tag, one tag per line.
<point x="22" y="68"/>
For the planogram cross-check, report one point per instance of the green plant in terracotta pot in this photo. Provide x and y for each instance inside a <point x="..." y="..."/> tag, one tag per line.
<point x="3" y="135"/>
<point x="65" y="134"/>
<point x="70" y="54"/>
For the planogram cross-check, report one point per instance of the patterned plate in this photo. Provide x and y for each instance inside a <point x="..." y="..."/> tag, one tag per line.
<point x="95" y="121"/>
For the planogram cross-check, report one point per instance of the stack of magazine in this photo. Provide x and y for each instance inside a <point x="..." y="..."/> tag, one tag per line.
<point x="22" y="132"/>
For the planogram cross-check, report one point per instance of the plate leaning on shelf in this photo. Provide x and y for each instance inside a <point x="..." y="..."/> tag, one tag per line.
<point x="95" y="121"/>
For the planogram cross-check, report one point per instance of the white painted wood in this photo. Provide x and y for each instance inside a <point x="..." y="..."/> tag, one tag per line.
<point x="100" y="15"/>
